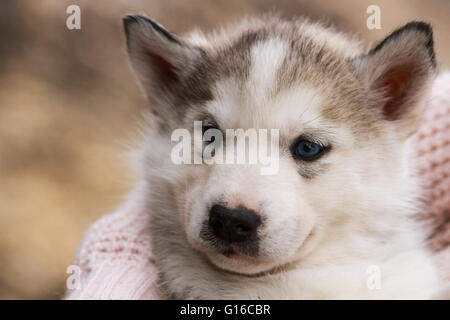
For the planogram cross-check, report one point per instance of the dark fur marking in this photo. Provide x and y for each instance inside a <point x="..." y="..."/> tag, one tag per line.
<point x="128" y="20"/>
<point x="231" y="61"/>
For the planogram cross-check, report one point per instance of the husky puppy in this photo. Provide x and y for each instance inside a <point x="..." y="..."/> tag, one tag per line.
<point x="336" y="221"/>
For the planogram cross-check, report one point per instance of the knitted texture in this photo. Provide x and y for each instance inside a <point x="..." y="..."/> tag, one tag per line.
<point x="433" y="144"/>
<point x="116" y="254"/>
<point x="432" y="141"/>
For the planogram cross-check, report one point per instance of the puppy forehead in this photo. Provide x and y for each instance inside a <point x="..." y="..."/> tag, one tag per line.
<point x="272" y="81"/>
<point x="248" y="94"/>
<point x="260" y="108"/>
<point x="258" y="100"/>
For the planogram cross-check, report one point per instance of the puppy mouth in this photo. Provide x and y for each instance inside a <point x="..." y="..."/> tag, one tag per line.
<point x="229" y="253"/>
<point x="236" y="253"/>
<point x="246" y="262"/>
<point x="244" y="257"/>
<point x="233" y="254"/>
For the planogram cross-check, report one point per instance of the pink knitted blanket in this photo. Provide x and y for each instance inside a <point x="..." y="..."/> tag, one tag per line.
<point x="115" y="256"/>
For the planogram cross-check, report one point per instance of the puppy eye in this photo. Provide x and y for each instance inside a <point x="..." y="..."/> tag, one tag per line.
<point x="307" y="150"/>
<point x="209" y="125"/>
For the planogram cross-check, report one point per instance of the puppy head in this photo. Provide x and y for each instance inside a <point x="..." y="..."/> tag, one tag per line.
<point x="342" y="118"/>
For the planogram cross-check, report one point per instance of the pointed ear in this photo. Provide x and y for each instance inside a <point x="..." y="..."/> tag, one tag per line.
<point x="160" y="58"/>
<point x="397" y="72"/>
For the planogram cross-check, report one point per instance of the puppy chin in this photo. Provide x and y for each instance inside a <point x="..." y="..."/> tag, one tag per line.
<point x="240" y="264"/>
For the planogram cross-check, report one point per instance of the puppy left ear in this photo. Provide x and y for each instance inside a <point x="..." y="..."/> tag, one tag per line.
<point x="398" y="72"/>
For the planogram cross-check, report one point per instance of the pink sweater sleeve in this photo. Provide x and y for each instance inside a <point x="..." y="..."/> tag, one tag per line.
<point x="433" y="145"/>
<point x="115" y="256"/>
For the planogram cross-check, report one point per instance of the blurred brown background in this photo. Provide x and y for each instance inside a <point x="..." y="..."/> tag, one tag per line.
<point x="69" y="105"/>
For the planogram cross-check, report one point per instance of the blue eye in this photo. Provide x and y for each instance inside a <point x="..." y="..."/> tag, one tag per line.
<point x="307" y="150"/>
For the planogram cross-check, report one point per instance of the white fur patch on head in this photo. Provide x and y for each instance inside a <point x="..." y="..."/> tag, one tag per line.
<point x="297" y="108"/>
<point x="266" y="59"/>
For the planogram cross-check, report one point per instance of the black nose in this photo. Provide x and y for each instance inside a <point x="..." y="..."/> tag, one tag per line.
<point x="233" y="225"/>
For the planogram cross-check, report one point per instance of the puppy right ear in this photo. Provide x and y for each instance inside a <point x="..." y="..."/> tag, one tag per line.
<point x="398" y="73"/>
<point x="160" y="58"/>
